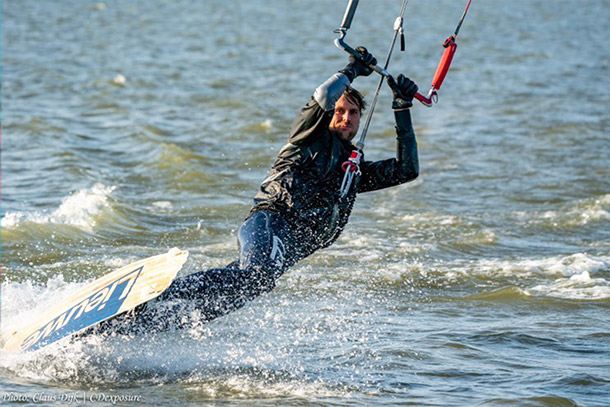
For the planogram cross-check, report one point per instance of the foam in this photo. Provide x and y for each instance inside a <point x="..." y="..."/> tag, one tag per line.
<point x="162" y="206"/>
<point x="566" y="266"/>
<point x="202" y="358"/>
<point x="23" y="301"/>
<point x="577" y="287"/>
<point x="574" y="214"/>
<point x="80" y="209"/>
<point x="578" y="276"/>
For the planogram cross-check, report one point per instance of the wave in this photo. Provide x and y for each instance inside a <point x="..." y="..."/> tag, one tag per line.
<point x="564" y="266"/>
<point x="81" y="209"/>
<point x="576" y="277"/>
<point x="571" y="215"/>
<point x="578" y="287"/>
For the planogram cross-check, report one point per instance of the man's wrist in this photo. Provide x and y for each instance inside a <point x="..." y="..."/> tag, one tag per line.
<point x="403" y="120"/>
<point x="401" y="104"/>
<point x="349" y="72"/>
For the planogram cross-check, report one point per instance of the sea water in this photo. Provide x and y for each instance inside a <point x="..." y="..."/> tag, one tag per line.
<point x="131" y="127"/>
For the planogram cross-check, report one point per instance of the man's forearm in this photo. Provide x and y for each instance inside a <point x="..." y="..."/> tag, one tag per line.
<point x="313" y="120"/>
<point x="393" y="171"/>
<point x="406" y="154"/>
<point x="327" y="94"/>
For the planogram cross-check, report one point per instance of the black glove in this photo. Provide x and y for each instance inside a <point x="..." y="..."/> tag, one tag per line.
<point x="359" y="67"/>
<point x="403" y="89"/>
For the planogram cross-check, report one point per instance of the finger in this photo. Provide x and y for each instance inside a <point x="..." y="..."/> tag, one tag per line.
<point x="368" y="58"/>
<point x="401" y="80"/>
<point x="412" y="89"/>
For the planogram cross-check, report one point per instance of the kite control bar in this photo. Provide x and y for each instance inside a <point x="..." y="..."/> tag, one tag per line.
<point x="441" y="70"/>
<point x="345" y="25"/>
<point x="352" y="166"/>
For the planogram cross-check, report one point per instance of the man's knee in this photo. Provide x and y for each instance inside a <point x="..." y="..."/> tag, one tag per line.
<point x="262" y="244"/>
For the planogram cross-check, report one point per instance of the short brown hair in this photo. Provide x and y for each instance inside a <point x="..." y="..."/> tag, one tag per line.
<point x="355" y="97"/>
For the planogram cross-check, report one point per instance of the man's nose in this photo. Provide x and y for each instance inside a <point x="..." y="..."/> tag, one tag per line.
<point x="347" y="117"/>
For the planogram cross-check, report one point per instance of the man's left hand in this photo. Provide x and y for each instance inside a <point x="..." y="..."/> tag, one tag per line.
<point x="403" y="89"/>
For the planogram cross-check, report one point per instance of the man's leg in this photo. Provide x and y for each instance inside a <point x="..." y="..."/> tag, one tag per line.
<point x="265" y="252"/>
<point x="265" y="246"/>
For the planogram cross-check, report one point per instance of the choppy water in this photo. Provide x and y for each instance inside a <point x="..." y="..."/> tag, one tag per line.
<point x="485" y="282"/>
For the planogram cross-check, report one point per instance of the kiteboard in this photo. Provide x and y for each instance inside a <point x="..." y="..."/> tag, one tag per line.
<point x="109" y="296"/>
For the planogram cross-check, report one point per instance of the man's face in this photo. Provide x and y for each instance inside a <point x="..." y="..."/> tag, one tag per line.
<point x="346" y="119"/>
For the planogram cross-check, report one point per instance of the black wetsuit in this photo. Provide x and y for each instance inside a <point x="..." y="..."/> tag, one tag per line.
<point x="298" y="208"/>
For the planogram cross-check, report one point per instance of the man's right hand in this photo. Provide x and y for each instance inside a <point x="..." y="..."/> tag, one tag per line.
<point x="359" y="66"/>
<point x="403" y="89"/>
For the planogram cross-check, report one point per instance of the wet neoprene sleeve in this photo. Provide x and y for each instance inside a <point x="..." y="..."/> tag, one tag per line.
<point x="394" y="171"/>
<point x="314" y="118"/>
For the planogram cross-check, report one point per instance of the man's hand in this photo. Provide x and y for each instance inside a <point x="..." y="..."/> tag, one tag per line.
<point x="359" y="67"/>
<point x="403" y="89"/>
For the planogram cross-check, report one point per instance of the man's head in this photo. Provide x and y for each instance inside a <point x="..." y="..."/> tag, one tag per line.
<point x="346" y="118"/>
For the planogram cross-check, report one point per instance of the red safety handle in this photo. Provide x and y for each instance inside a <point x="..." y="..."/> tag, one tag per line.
<point x="443" y="66"/>
<point x="441" y="72"/>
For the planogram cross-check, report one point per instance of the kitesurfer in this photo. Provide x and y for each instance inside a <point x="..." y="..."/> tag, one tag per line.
<point x="298" y="208"/>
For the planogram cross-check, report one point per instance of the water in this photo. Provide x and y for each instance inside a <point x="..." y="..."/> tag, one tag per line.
<point x="133" y="127"/>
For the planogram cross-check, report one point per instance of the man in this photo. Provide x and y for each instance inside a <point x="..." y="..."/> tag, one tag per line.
<point x="299" y="208"/>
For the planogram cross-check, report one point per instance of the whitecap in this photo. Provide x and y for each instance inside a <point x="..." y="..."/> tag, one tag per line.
<point x="577" y="264"/>
<point x="266" y="125"/>
<point x="119" y="80"/>
<point x="573" y="214"/>
<point x="577" y="287"/>
<point x="550" y="266"/>
<point x="80" y="209"/>
<point x="162" y="205"/>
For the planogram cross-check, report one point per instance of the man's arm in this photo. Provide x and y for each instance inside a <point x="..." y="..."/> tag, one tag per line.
<point x="405" y="167"/>
<point x="314" y="118"/>
<point x="394" y="171"/>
